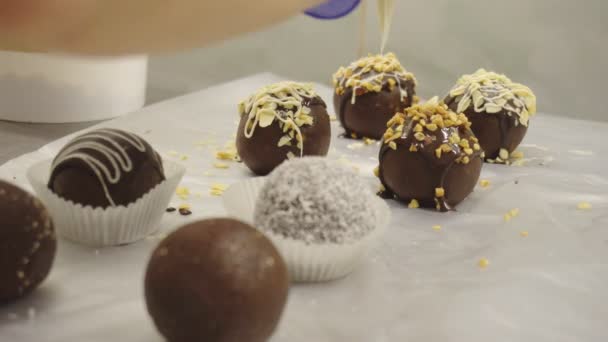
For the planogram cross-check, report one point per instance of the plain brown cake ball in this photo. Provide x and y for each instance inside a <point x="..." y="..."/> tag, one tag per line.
<point x="498" y="109"/>
<point x="369" y="92"/>
<point x="279" y="122"/>
<point x="106" y="168"/>
<point x="429" y="157"/>
<point x="27" y="243"/>
<point x="217" y="280"/>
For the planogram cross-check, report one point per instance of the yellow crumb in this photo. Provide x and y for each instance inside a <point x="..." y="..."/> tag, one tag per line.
<point x="184" y="206"/>
<point x="182" y="191"/>
<point x="484" y="183"/>
<point x="483" y="263"/>
<point x="218" y="189"/>
<point x="507" y="217"/>
<point x="221" y="165"/>
<point x="439" y="192"/>
<point x="225" y="155"/>
<point x="377" y="171"/>
<point x="184" y="157"/>
<point x="514" y="212"/>
<point x="517" y="155"/>
<point x="414" y="204"/>
<point x="584" y="206"/>
<point x="437" y="227"/>
<point x="368" y="141"/>
<point x="333" y="118"/>
<point x="524" y="234"/>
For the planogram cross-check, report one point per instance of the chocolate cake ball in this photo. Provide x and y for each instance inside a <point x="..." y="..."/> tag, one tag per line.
<point x="106" y="168"/>
<point x="498" y="109"/>
<point x="27" y="243"/>
<point x="279" y="122"/>
<point x="216" y="280"/>
<point x="369" y="92"/>
<point x="429" y="157"/>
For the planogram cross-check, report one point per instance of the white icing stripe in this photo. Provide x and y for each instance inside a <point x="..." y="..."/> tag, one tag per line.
<point x="117" y="156"/>
<point x="386" y="8"/>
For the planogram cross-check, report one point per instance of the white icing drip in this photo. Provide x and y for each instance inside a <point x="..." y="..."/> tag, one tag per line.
<point x="119" y="159"/>
<point x="268" y="103"/>
<point x="386" y="9"/>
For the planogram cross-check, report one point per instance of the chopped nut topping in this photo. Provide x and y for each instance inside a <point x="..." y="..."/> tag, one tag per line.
<point x="503" y="154"/>
<point x="439" y="192"/>
<point x="419" y="136"/>
<point x="392" y="145"/>
<point x="414" y="204"/>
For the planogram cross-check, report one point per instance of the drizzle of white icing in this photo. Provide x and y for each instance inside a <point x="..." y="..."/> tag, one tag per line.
<point x="119" y="160"/>
<point x="386" y="9"/>
<point x="285" y="102"/>
<point x="369" y="73"/>
<point x="491" y="93"/>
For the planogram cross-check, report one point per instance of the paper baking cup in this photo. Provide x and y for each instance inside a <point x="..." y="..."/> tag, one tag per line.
<point x="111" y="226"/>
<point x="308" y="263"/>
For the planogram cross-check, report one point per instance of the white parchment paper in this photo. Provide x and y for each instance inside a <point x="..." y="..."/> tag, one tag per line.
<point x="419" y="285"/>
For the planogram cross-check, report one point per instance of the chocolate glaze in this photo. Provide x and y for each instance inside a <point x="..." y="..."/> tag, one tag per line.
<point x="138" y="166"/>
<point x="261" y="152"/>
<point x="408" y="175"/>
<point x="27" y="243"/>
<point x="495" y="131"/>
<point x="367" y="117"/>
<point x="216" y="280"/>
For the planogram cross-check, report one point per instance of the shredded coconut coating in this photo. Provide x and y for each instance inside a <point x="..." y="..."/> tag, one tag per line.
<point x="316" y="201"/>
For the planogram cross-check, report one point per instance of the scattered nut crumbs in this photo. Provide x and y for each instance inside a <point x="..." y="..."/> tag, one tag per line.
<point x="221" y="165"/>
<point x="218" y="189"/>
<point x="377" y="171"/>
<point x="333" y="117"/>
<point x="483" y="263"/>
<point x="507" y="217"/>
<point x="226" y="155"/>
<point x="584" y="206"/>
<point x="414" y="204"/>
<point x="524" y="234"/>
<point x="184" y="206"/>
<point x="437" y="227"/>
<point x="484" y="183"/>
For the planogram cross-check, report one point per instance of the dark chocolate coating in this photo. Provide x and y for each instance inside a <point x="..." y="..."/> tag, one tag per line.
<point x="408" y="175"/>
<point x="372" y="110"/>
<point x="262" y="154"/>
<point x="494" y="131"/>
<point x="27" y="243"/>
<point x="217" y="280"/>
<point x="75" y="180"/>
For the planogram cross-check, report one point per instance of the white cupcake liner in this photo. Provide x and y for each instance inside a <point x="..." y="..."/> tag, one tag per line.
<point x="111" y="226"/>
<point x="314" y="262"/>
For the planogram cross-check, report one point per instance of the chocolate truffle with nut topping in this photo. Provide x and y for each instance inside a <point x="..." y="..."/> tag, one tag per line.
<point x="216" y="280"/>
<point x="429" y="157"/>
<point x="498" y="109"/>
<point x="27" y="243"/>
<point x="369" y="92"/>
<point x="279" y="122"/>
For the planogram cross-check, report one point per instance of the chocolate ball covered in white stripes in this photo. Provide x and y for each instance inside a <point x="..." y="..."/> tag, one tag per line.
<point x="106" y="168"/>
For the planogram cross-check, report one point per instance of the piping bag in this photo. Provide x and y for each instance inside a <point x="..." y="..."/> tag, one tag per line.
<point x="333" y="9"/>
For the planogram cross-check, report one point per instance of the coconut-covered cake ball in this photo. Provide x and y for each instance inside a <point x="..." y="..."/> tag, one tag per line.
<point x="27" y="243"/>
<point x="106" y="168"/>
<point x="279" y="122"/>
<point x="316" y="201"/>
<point x="498" y="109"/>
<point x="369" y="92"/>
<point x="217" y="280"/>
<point x="429" y="157"/>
